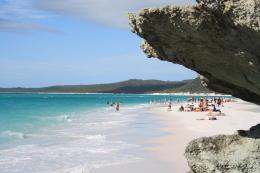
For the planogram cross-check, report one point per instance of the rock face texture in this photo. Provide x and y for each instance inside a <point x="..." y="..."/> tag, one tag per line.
<point x="219" y="39"/>
<point x="239" y="153"/>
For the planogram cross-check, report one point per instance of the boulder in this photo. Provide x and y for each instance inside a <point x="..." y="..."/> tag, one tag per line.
<point x="219" y="39"/>
<point x="238" y="153"/>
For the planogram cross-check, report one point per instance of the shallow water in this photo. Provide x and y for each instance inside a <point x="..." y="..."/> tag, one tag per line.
<point x="73" y="133"/>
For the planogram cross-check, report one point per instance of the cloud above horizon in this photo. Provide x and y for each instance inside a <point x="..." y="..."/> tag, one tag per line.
<point x="111" y="13"/>
<point x="11" y="9"/>
<point x="17" y="14"/>
<point x="95" y="44"/>
<point x="16" y="26"/>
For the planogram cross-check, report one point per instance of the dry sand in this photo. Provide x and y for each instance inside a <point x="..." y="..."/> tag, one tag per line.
<point x="181" y="127"/>
<point x="184" y="126"/>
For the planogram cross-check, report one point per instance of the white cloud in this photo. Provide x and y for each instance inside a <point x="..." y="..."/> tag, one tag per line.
<point x="20" y="9"/>
<point x="108" y="12"/>
<point x="20" y="15"/>
<point x="14" y="26"/>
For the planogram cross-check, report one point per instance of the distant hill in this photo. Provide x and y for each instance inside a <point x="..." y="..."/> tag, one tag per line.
<point x="192" y="86"/>
<point x="129" y="86"/>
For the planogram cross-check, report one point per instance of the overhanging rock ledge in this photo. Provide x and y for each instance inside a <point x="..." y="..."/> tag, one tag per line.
<point x="219" y="39"/>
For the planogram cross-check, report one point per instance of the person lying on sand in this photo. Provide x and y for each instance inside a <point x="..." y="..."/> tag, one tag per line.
<point x="189" y="108"/>
<point x="210" y="116"/>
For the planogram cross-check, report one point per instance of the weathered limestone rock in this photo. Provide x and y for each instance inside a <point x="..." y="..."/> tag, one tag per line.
<point x="219" y="39"/>
<point x="239" y="153"/>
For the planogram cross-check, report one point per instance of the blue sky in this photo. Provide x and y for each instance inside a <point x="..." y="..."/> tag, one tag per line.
<point x="63" y="42"/>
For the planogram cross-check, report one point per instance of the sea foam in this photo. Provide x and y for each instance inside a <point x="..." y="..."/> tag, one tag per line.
<point x="73" y="147"/>
<point x="13" y="134"/>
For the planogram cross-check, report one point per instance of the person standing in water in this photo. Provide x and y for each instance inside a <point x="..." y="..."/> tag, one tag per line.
<point x="117" y="106"/>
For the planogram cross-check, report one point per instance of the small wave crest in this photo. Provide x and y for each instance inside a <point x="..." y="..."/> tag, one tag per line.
<point x="13" y="134"/>
<point x="89" y="137"/>
<point x="64" y="117"/>
<point x="95" y="137"/>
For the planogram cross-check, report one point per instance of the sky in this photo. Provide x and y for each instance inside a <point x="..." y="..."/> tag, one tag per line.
<point x="61" y="42"/>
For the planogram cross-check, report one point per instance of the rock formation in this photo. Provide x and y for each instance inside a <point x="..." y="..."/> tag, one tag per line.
<point x="219" y="39"/>
<point x="239" y="153"/>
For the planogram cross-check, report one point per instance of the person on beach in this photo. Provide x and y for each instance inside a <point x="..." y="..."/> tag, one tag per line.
<point x="210" y="116"/>
<point x="219" y="102"/>
<point x="112" y="104"/>
<point x="222" y="102"/>
<point x="181" y="109"/>
<point x="117" y="106"/>
<point x="215" y="109"/>
<point x="170" y="106"/>
<point x="201" y="104"/>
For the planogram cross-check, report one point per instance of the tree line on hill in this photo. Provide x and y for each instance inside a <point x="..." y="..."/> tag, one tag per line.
<point x="134" y="86"/>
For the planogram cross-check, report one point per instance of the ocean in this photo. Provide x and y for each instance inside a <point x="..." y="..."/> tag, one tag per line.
<point x="73" y="133"/>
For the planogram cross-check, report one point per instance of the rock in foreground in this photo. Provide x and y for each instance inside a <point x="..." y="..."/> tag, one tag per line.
<point x="239" y="153"/>
<point x="219" y="39"/>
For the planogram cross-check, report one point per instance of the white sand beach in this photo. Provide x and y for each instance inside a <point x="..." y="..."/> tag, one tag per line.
<point x="184" y="126"/>
<point x="166" y="153"/>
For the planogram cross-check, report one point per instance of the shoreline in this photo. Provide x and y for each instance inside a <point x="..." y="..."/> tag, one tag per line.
<point x="141" y="137"/>
<point x="165" y="153"/>
<point x="152" y="94"/>
<point x="194" y="94"/>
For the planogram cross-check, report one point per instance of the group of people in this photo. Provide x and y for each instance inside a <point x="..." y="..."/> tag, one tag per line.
<point x="203" y="104"/>
<point x="114" y="104"/>
<point x="195" y="104"/>
<point x="165" y="101"/>
<point x="210" y="105"/>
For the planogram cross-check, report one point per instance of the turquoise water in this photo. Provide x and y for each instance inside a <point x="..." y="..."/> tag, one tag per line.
<point x="21" y="112"/>
<point x="73" y="133"/>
